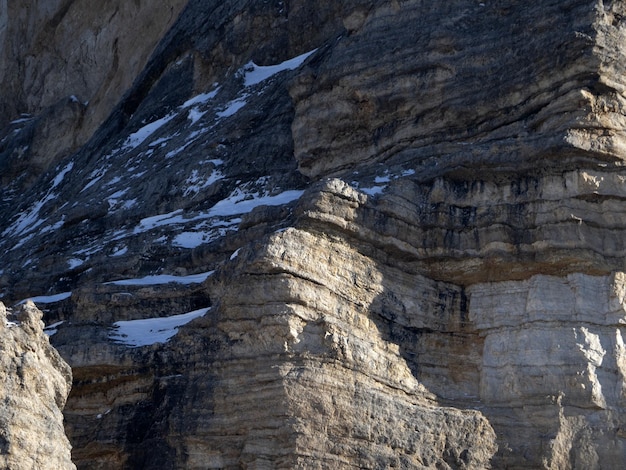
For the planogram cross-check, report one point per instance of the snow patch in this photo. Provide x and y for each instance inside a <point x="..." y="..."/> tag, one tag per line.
<point x="200" y="99"/>
<point x="163" y="279"/>
<point x="52" y="228"/>
<point x="94" y="176"/>
<point x="195" y="115"/>
<point x="53" y="328"/>
<point x="382" y="179"/>
<point x="240" y="202"/>
<point x="136" y="333"/>
<point x="25" y="118"/>
<point x="255" y="74"/>
<point x="48" y="299"/>
<point x="114" y="198"/>
<point x="155" y="221"/>
<point x="120" y="251"/>
<point x="138" y="137"/>
<point x="232" y="107"/>
<point x="195" y="183"/>
<point x="59" y="177"/>
<point x="373" y="191"/>
<point x="29" y="220"/>
<point x="75" y="262"/>
<point x="191" y="239"/>
<point x="160" y="141"/>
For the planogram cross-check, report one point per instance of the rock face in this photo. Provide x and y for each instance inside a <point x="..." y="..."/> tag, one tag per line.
<point x="65" y="66"/>
<point x="359" y="234"/>
<point x="35" y="385"/>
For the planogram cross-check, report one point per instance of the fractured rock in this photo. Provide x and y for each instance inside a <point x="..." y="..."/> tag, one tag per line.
<point x="35" y="384"/>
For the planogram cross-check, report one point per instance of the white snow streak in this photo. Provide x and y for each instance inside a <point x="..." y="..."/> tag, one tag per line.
<point x="232" y="107"/>
<point x="52" y="328"/>
<point x="238" y="203"/>
<point x="163" y="279"/>
<point x="48" y="299"/>
<point x="137" y="138"/>
<point x="257" y="73"/>
<point x="200" y="99"/>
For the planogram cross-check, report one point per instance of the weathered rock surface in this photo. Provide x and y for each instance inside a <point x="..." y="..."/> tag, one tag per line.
<point x="35" y="384"/>
<point x="65" y="66"/>
<point x="361" y="234"/>
<point x="554" y="347"/>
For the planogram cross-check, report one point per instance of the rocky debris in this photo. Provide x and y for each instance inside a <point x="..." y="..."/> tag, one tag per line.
<point x="35" y="384"/>
<point x="363" y="234"/>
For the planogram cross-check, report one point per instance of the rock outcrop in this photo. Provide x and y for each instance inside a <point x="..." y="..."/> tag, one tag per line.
<point x="35" y="384"/>
<point x="360" y="234"/>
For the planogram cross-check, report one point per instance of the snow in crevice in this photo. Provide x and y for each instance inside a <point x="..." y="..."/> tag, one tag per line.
<point x="235" y="254"/>
<point x="114" y="198"/>
<point x="113" y="181"/>
<point x="161" y="141"/>
<point x="149" y="223"/>
<point x="173" y="153"/>
<point x="116" y="201"/>
<point x="255" y="74"/>
<point x="373" y="190"/>
<point x="205" y="232"/>
<point x="52" y="329"/>
<point x="240" y="202"/>
<point x="24" y="118"/>
<point x="28" y="220"/>
<point x="195" y="104"/>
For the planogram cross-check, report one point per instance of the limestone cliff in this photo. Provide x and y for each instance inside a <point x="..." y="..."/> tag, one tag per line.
<point x="35" y="384"/>
<point x="359" y="234"/>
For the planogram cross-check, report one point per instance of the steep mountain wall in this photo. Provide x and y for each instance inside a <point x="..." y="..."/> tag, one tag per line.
<point x="363" y="234"/>
<point x="65" y="65"/>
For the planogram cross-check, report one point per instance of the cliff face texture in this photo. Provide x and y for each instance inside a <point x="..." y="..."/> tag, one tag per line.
<point x="358" y="234"/>
<point x="35" y="385"/>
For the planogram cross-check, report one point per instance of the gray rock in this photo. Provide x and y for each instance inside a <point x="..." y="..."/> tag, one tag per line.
<point x="363" y="234"/>
<point x="35" y="385"/>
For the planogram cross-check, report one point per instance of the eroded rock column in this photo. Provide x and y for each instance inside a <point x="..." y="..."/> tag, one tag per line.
<point x="35" y="384"/>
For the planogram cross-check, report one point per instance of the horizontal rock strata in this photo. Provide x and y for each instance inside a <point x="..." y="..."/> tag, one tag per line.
<point x="365" y="234"/>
